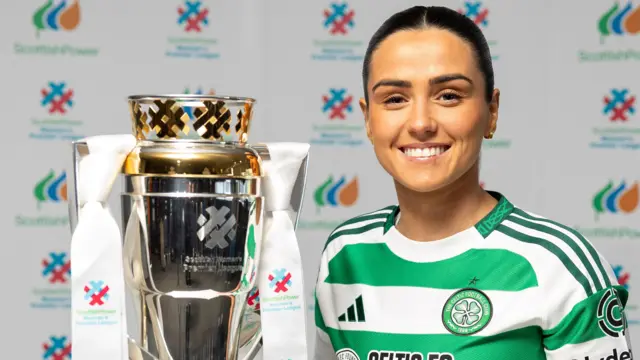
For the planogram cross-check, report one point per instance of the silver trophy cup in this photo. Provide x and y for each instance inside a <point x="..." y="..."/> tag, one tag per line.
<point x="192" y="223"/>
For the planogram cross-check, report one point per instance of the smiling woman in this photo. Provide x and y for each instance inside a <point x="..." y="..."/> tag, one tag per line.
<point x="453" y="271"/>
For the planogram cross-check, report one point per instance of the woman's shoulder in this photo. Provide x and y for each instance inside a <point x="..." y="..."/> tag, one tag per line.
<point x="561" y="255"/>
<point x="364" y="226"/>
<point x="528" y="221"/>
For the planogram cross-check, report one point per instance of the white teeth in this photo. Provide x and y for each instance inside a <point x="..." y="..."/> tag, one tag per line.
<point x="425" y="152"/>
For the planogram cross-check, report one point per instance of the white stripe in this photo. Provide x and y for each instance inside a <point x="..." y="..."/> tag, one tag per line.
<point x="366" y="237"/>
<point x="336" y="245"/>
<point x="358" y="224"/>
<point x="602" y="348"/>
<point x="557" y="242"/>
<point x="415" y="310"/>
<point x="574" y="239"/>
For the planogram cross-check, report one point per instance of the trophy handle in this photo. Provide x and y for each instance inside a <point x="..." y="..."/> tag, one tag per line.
<point x="254" y="345"/>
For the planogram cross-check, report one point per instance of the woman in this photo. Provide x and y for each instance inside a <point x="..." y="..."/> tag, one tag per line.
<point x="453" y="271"/>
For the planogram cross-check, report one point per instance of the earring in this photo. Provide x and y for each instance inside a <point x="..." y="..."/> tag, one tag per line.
<point x="490" y="136"/>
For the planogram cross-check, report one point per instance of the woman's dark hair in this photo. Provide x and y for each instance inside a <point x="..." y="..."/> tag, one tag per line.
<point x="422" y="17"/>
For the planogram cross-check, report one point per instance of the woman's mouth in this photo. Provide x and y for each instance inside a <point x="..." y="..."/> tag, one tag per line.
<point x="424" y="152"/>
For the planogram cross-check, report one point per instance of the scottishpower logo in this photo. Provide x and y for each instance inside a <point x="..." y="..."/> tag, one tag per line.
<point x="614" y="202"/>
<point x="620" y="21"/>
<point x="336" y="192"/>
<point x="60" y="16"/>
<point x="50" y="194"/>
<point x="55" y="19"/>
<point x="615" y="25"/>
<point x="333" y="193"/>
<point x="617" y="198"/>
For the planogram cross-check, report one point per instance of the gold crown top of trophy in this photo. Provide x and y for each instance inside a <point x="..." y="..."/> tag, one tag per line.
<point x="193" y="117"/>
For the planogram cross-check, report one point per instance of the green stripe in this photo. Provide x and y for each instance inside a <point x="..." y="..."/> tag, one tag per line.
<point x="354" y="231"/>
<point x="391" y="219"/>
<point x="592" y="251"/>
<point x="318" y="315"/>
<point x="581" y="324"/>
<point x="551" y="247"/>
<point x="567" y="240"/>
<point x="521" y="344"/>
<point x="362" y="219"/>
<point x="376" y="265"/>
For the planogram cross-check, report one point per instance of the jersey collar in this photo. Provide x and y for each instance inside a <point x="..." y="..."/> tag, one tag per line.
<point x="485" y="226"/>
<point x="427" y="251"/>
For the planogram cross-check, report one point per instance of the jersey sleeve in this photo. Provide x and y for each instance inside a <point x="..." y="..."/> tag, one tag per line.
<point x="323" y="348"/>
<point x="595" y="328"/>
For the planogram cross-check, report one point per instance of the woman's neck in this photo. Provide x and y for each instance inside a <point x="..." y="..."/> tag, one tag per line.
<point x="445" y="212"/>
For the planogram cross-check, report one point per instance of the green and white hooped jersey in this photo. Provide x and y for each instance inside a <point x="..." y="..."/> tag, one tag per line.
<point x="514" y="286"/>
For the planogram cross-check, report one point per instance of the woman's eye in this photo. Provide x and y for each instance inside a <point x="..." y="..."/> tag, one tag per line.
<point x="394" y="100"/>
<point x="450" y="96"/>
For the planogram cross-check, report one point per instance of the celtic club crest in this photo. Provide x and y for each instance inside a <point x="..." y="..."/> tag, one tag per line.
<point x="467" y="312"/>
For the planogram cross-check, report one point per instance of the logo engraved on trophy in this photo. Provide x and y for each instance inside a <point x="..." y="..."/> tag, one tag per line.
<point x="218" y="228"/>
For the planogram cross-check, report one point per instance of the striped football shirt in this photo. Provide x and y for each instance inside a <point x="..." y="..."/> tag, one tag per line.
<point x="514" y="286"/>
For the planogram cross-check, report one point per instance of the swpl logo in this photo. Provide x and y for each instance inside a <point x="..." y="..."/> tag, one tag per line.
<point x="339" y="18"/>
<point x="619" y="105"/>
<point x="218" y="229"/>
<point x="337" y="103"/>
<point x="56" y="268"/>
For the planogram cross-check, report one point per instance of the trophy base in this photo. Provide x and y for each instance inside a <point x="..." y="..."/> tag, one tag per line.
<point x="248" y="342"/>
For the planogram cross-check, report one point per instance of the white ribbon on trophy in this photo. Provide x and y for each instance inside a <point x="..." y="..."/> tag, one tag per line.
<point x="98" y="325"/>
<point x="97" y="277"/>
<point x="280" y="281"/>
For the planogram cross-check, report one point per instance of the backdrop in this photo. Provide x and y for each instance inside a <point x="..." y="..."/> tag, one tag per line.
<point x="566" y="145"/>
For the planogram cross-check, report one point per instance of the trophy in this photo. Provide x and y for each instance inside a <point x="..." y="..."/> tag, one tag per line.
<point x="178" y="282"/>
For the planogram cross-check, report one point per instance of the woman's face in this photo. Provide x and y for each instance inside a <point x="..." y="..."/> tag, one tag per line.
<point x="427" y="113"/>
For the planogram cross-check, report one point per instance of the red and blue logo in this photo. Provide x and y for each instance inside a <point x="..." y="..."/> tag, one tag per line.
<point x="56" y="97"/>
<point x="280" y="280"/>
<point x="337" y="103"/>
<point x="622" y="276"/>
<point x="476" y="12"/>
<point x="254" y="299"/>
<point x="58" y="348"/>
<point x="619" y="105"/>
<point x="96" y="292"/>
<point x="193" y="16"/>
<point x="339" y="19"/>
<point x="56" y="268"/>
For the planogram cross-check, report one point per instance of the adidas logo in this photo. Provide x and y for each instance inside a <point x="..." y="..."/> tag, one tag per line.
<point x="355" y="312"/>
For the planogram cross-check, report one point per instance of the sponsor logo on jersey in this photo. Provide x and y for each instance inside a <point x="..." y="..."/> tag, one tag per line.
<point x="346" y="354"/>
<point x="467" y="312"/>
<point x="613" y="355"/>
<point x="402" y="355"/>
<point x="610" y="313"/>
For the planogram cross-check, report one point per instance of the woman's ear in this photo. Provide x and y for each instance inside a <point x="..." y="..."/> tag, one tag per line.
<point x="365" y="113"/>
<point x="493" y="114"/>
